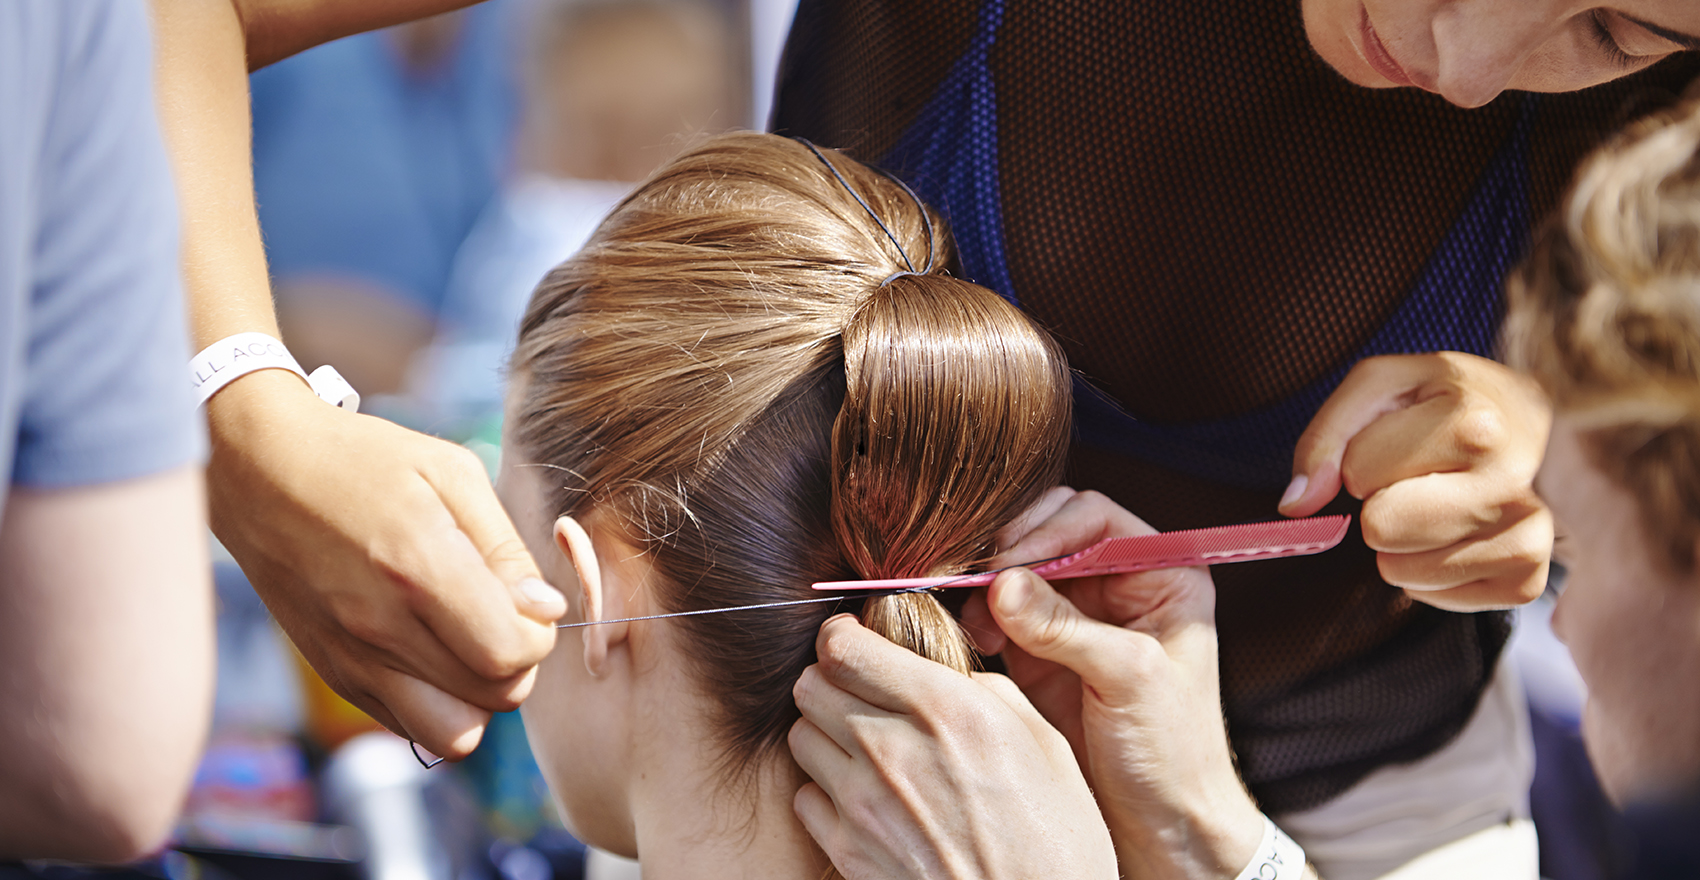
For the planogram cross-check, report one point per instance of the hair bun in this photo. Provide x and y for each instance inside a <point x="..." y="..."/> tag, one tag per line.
<point x="955" y="412"/>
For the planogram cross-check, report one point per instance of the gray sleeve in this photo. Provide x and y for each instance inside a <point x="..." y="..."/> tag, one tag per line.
<point x="106" y="393"/>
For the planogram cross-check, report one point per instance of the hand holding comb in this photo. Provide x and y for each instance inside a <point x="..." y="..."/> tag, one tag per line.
<point x="1213" y="546"/>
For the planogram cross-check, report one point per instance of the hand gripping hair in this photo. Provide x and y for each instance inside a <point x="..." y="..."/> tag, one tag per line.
<point x="730" y="374"/>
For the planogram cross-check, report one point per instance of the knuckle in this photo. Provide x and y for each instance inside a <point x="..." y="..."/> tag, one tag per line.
<point x="1479" y="429"/>
<point x="1091" y="498"/>
<point x="501" y="661"/>
<point x="803" y="691"/>
<point x="1379" y="525"/>
<point x="1531" y="586"/>
<point x="836" y="650"/>
<point x="459" y="458"/>
<point x="1400" y="571"/>
<point x="1355" y="478"/>
<point x="362" y="621"/>
<point x="506" y="700"/>
<point x="1056" y="627"/>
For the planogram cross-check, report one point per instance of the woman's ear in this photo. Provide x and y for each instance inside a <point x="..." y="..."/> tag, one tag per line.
<point x="597" y="601"/>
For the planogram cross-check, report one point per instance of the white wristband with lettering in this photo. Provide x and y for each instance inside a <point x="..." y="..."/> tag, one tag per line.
<point x="236" y="356"/>
<point x="1278" y="857"/>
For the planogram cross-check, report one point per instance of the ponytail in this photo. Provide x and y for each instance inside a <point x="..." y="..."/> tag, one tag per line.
<point x="955" y="410"/>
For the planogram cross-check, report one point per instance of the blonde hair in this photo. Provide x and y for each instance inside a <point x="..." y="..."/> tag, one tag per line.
<point x="1605" y="314"/>
<point x="730" y="372"/>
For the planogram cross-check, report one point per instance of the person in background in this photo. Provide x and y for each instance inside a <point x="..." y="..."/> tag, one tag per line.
<point x="373" y="156"/>
<point x="106" y="627"/>
<point x="612" y="88"/>
<point x="1604" y="316"/>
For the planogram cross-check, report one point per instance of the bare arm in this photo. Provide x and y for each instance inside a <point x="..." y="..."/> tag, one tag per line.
<point x="106" y="636"/>
<point x="382" y="552"/>
<point x="277" y="29"/>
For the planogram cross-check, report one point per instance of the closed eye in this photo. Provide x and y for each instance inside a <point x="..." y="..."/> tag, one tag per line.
<point x="1607" y="43"/>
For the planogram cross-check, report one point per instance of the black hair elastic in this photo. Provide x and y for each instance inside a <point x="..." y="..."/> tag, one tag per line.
<point x="860" y="201"/>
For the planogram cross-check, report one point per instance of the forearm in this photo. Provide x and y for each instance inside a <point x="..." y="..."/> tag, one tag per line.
<point x="202" y="80"/>
<point x="277" y="29"/>
<point x="106" y="633"/>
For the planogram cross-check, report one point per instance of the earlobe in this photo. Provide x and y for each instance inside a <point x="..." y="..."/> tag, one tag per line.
<point x="575" y="542"/>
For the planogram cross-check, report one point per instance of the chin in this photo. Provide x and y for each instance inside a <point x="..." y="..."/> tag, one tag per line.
<point x="1326" y="23"/>
<point x="1629" y="767"/>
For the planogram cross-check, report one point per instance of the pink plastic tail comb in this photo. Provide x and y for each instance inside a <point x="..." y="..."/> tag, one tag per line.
<point x="1242" y="543"/>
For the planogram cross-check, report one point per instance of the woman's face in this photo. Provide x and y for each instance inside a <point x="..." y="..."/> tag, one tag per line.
<point x="1468" y="51"/>
<point x="1633" y="628"/>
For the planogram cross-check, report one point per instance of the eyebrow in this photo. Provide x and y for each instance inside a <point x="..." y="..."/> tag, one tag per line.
<point x="1686" y="41"/>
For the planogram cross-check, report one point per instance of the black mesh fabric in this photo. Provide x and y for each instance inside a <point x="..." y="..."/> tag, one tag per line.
<point x="1209" y="218"/>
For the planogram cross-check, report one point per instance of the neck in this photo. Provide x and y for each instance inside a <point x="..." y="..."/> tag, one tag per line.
<point x="691" y="823"/>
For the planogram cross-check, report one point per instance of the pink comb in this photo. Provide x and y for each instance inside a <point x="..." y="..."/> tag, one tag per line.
<point x="1242" y="543"/>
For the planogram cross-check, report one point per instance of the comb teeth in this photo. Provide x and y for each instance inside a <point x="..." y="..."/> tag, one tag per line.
<point x="1241" y="543"/>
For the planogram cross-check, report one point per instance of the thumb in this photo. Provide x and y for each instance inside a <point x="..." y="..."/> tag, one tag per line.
<point x="1044" y="624"/>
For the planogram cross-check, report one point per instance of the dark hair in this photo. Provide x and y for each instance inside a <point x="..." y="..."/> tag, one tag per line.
<point x="729" y="374"/>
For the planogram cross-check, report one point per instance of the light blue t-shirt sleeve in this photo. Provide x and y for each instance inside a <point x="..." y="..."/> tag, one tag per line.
<point x="106" y="393"/>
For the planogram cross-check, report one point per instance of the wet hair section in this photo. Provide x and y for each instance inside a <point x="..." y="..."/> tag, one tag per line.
<point x="730" y="373"/>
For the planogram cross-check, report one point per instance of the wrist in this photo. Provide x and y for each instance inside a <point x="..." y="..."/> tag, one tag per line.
<point x="1212" y="839"/>
<point x="256" y="401"/>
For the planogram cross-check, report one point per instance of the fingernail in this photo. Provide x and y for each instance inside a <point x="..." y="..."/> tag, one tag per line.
<point x="1295" y="490"/>
<point x="539" y="593"/>
<point x="1015" y="595"/>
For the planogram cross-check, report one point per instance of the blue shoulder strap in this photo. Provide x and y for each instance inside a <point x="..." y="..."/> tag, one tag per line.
<point x="949" y="154"/>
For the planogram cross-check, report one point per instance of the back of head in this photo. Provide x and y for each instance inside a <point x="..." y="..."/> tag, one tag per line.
<point x="730" y="373"/>
<point x="1605" y="314"/>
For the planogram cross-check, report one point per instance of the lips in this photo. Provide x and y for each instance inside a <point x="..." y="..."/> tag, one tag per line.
<point x="1376" y="54"/>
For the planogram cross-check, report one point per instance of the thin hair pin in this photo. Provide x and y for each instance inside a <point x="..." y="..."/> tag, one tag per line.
<point x="785" y="604"/>
<point x="860" y="201"/>
<point x="926" y="217"/>
<point x="939" y="584"/>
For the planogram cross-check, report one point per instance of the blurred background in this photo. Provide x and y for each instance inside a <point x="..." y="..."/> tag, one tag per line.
<point x="414" y="184"/>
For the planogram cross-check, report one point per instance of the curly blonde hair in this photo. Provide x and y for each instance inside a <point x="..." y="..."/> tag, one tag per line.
<point x="1605" y="314"/>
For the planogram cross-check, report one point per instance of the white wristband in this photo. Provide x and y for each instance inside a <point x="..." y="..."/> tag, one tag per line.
<point x="236" y="356"/>
<point x="1278" y="857"/>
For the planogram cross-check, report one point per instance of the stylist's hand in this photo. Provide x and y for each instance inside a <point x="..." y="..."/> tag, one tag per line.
<point x="1125" y="667"/>
<point x="1443" y="449"/>
<point x="384" y="555"/>
<point x="920" y="772"/>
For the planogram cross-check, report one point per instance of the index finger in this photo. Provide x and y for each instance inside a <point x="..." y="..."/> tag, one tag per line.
<point x="1083" y="520"/>
<point x="877" y="671"/>
<point x="451" y="591"/>
<point x="465" y="492"/>
<point x="1373" y="388"/>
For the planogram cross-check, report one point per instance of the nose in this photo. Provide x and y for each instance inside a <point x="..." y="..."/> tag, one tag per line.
<point x="1482" y="44"/>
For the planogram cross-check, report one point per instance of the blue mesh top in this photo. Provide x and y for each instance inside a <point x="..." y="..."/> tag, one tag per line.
<point x="1217" y="226"/>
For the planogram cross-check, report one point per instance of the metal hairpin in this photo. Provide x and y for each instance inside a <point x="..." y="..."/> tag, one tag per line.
<point x="940" y="584"/>
<point x="843" y="598"/>
<point x="925" y="217"/>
